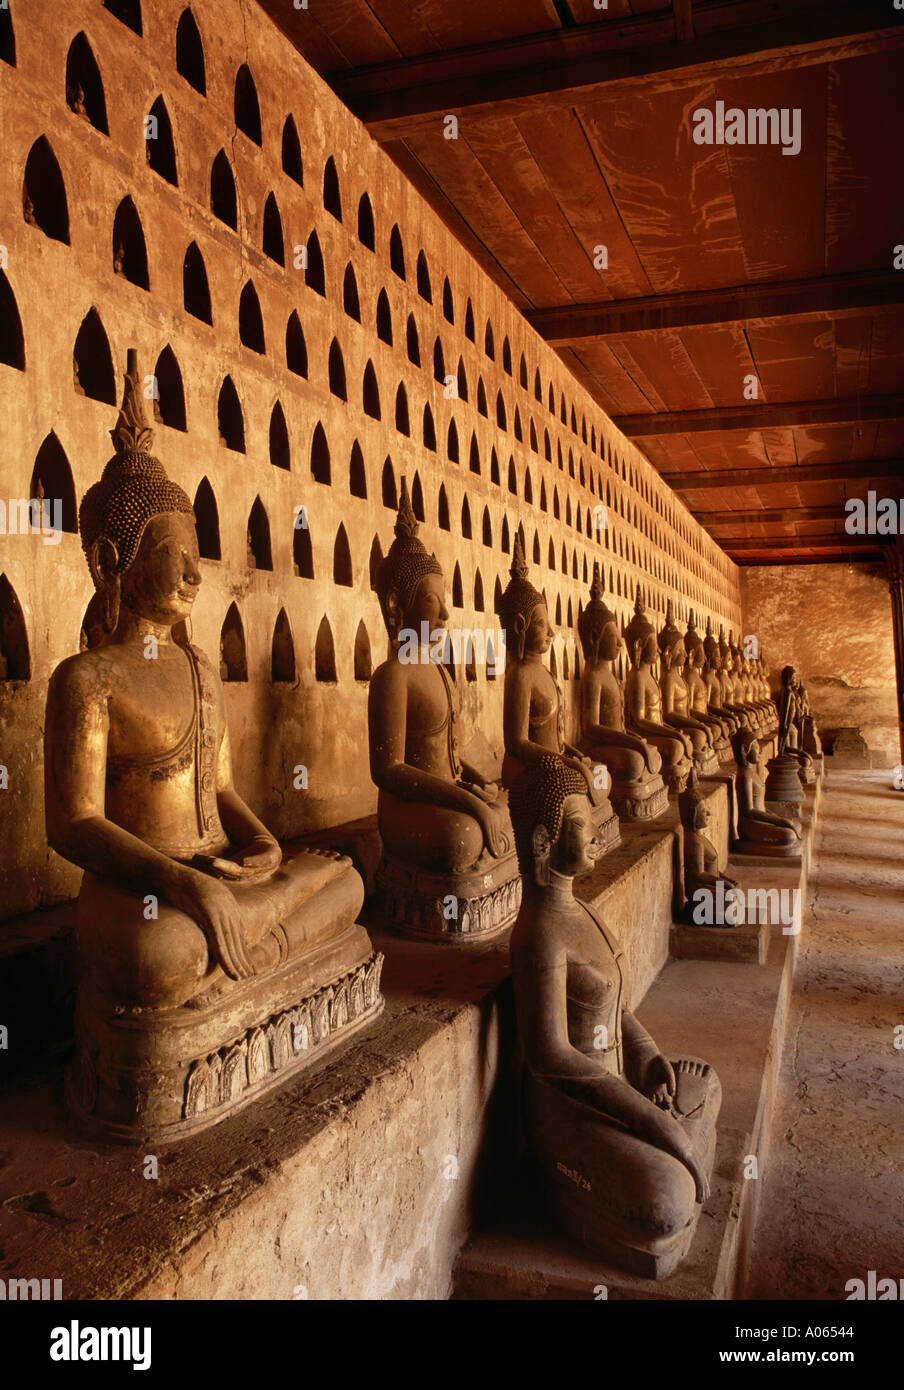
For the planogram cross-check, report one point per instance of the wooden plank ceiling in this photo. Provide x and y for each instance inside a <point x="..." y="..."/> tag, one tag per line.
<point x="725" y="262"/>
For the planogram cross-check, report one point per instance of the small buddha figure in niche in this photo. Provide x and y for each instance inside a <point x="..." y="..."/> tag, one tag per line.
<point x="77" y="100"/>
<point x="119" y="256"/>
<point x="192" y="925"/>
<point x="638" y="791"/>
<point x="643" y="701"/>
<point x="28" y="210"/>
<point x="759" y="831"/>
<point x="702" y="865"/>
<point x="621" y="1136"/>
<point x="443" y="824"/>
<point x="698" y="693"/>
<point x="675" y="697"/>
<point x="533" y="709"/>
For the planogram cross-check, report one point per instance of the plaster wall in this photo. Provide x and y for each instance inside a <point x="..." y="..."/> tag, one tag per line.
<point x="533" y="449"/>
<point x="834" y="623"/>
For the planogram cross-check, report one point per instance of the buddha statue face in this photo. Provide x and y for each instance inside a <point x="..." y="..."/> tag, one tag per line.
<point x="610" y="642"/>
<point x="428" y="605"/>
<point x="649" y="648"/>
<point x="572" y="853"/>
<point x="161" y="584"/>
<point x="538" y="631"/>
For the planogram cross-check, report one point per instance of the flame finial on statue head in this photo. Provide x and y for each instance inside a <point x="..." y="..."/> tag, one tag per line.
<point x="132" y="434"/>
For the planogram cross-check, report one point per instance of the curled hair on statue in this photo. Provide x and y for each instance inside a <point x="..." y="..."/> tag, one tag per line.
<point x="406" y="565"/>
<point x="536" y="805"/>
<point x="133" y="489"/>
<point x="518" y="601"/>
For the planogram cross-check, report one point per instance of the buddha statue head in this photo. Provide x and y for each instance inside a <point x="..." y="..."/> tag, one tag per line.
<point x="409" y="582"/>
<point x="597" y="624"/>
<point x="138" y="529"/>
<point x="551" y="817"/>
<point x="671" y="643"/>
<point x="790" y="677"/>
<point x="711" y="648"/>
<point x="724" y="651"/>
<point x="523" y="612"/>
<point x="693" y="645"/>
<point x="640" y="635"/>
<point x="692" y="807"/>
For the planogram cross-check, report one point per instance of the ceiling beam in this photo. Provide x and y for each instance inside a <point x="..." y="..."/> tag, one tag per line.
<point x="781" y="415"/>
<point x="516" y="76"/>
<point x="740" y="544"/>
<point x="771" y="516"/>
<point x="700" y="480"/>
<point x="755" y="562"/>
<point x="838" y="295"/>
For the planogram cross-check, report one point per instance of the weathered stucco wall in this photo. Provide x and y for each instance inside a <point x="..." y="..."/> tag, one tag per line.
<point x="532" y="449"/>
<point x="833" y="622"/>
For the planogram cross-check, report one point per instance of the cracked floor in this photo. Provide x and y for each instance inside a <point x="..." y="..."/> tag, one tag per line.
<point x="831" y="1208"/>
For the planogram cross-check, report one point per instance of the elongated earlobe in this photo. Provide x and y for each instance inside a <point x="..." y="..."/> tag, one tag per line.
<point x="541" y="848"/>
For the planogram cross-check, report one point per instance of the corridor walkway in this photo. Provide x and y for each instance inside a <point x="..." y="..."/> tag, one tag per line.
<point x="832" y="1207"/>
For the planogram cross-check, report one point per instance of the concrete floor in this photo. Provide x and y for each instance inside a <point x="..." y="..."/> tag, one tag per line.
<point x="831" y="1207"/>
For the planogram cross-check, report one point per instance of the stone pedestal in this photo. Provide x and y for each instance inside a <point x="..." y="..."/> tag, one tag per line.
<point x="455" y="908"/>
<point x="783" y="781"/>
<point x="155" y="1075"/>
<point x="640" y="801"/>
<point x="748" y="941"/>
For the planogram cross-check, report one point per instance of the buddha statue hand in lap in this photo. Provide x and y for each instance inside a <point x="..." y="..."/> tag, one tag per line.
<point x="759" y="831"/>
<point x="533" y="709"/>
<point x="622" y="1137"/>
<point x="643" y="702"/>
<point x="200" y="942"/>
<point x="449" y="870"/>
<point x="637" y="791"/>
<point x="703" y="871"/>
<point x="676" y="711"/>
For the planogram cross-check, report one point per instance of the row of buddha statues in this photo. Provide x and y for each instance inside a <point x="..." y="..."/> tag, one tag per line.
<point x="215" y="962"/>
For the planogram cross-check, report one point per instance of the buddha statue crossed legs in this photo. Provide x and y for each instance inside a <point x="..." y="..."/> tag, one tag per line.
<point x="204" y="951"/>
<point x="449" y="870"/>
<point x="622" y="1137"/>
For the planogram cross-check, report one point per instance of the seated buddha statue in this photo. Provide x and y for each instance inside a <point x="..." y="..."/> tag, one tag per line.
<point x="743" y="688"/>
<point x="761" y="679"/>
<point x="533" y="709"/>
<point x="759" y="831"/>
<point x="810" y="741"/>
<point x="449" y="870"/>
<point x="731" y="695"/>
<point x="712" y="679"/>
<point x="676" y="700"/>
<point x="621" y="1137"/>
<point x="698" y="693"/>
<point x="702" y="868"/>
<point x="643" y="702"/>
<point x="637" y="791"/>
<point x="203" y="947"/>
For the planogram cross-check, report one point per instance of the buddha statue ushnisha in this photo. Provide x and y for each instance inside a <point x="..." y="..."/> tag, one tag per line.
<point x="533" y="709"/>
<point x="643" y="701"/>
<point x="201" y="944"/>
<point x="445" y="828"/>
<point x="622" y="1137"/>
<point x="675" y="698"/>
<point x="698" y="692"/>
<point x="759" y="831"/>
<point x="638" y="792"/>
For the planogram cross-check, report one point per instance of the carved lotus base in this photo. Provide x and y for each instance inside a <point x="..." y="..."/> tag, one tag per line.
<point x="636" y="801"/>
<point x="783" y="782"/>
<point x="765" y="851"/>
<point x="458" y="908"/>
<point x="157" y="1075"/>
<point x="677" y="775"/>
<point x="605" y="825"/>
